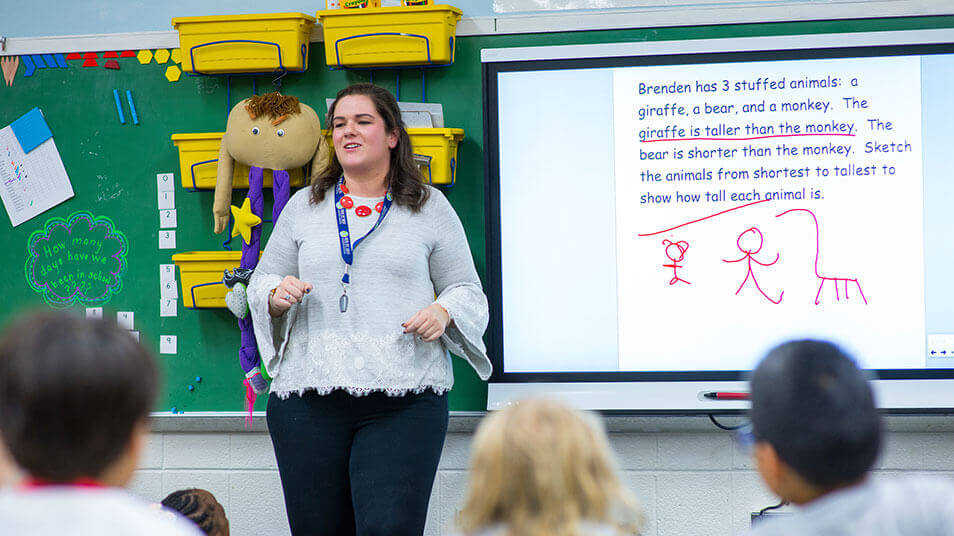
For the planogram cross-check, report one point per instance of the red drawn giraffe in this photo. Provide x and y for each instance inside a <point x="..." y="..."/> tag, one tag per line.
<point x="825" y="278"/>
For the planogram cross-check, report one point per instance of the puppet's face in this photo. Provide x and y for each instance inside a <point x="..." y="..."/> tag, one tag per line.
<point x="289" y="144"/>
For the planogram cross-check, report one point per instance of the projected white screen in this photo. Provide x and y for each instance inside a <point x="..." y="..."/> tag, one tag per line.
<point x="688" y="217"/>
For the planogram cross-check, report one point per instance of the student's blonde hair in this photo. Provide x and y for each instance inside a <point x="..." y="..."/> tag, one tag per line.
<point x="539" y="467"/>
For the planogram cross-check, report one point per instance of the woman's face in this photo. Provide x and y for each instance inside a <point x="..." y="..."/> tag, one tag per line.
<point x="362" y="142"/>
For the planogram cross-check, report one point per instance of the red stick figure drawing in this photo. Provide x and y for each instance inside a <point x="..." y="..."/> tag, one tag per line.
<point x="750" y="243"/>
<point x="825" y="278"/>
<point x="676" y="251"/>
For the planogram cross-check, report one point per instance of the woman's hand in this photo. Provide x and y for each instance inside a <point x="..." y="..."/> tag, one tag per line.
<point x="429" y="323"/>
<point x="289" y="292"/>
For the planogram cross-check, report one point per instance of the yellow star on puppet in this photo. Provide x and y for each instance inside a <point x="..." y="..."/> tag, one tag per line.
<point x="244" y="220"/>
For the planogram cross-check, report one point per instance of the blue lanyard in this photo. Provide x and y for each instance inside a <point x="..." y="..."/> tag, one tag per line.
<point x="344" y="238"/>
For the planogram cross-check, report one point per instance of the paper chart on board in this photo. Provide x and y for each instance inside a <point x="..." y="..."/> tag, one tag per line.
<point x="31" y="181"/>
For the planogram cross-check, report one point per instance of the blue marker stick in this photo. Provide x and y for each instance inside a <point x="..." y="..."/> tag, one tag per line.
<point x="132" y="107"/>
<point x="119" y="107"/>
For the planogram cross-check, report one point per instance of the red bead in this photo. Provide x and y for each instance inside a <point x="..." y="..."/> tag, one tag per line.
<point x="362" y="211"/>
<point x="379" y="207"/>
<point x="346" y="202"/>
<point x="344" y="189"/>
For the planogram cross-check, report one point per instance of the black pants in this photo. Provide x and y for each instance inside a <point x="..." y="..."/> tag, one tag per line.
<point x="357" y="465"/>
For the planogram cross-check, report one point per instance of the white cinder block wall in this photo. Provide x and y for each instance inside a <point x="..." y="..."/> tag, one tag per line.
<point x="690" y="477"/>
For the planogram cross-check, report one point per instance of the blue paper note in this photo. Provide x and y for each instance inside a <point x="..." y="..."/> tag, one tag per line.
<point x="31" y="130"/>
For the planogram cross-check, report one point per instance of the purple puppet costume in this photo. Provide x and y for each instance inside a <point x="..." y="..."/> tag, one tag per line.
<point x="248" y="351"/>
<point x="274" y="132"/>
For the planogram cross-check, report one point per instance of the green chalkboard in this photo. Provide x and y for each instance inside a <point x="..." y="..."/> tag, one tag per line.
<point x="113" y="170"/>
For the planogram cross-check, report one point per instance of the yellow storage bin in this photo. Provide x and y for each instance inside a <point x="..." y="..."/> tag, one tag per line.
<point x="438" y="146"/>
<point x="201" y="275"/>
<point x="261" y="43"/>
<point x="389" y="36"/>
<point x="199" y="157"/>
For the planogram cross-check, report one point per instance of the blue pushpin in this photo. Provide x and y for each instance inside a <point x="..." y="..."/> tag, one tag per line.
<point x="192" y="388"/>
<point x="173" y="410"/>
<point x="198" y="379"/>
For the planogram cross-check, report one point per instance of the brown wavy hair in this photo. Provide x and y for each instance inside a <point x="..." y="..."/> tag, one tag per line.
<point x="404" y="177"/>
<point x="273" y="105"/>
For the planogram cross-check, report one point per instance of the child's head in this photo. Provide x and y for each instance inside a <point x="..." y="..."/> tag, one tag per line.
<point x="814" y="420"/>
<point x="201" y="507"/>
<point x="74" y="397"/>
<point x="540" y="467"/>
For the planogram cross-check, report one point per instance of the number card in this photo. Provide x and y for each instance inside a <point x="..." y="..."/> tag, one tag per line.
<point x="125" y="319"/>
<point x="167" y="240"/>
<point x="166" y="182"/>
<point x="167" y="272"/>
<point x="169" y="290"/>
<point x="167" y="219"/>
<point x="168" y="307"/>
<point x="167" y="200"/>
<point x="167" y="344"/>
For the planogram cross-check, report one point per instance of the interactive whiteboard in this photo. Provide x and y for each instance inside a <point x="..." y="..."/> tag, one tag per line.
<point x="660" y="215"/>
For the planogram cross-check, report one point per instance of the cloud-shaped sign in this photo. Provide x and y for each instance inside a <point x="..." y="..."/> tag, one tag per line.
<point x="78" y="259"/>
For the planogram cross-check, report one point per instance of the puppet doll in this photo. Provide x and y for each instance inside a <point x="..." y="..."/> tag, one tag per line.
<point x="271" y="134"/>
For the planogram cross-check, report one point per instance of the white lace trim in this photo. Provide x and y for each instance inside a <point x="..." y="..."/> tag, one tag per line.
<point x="363" y="391"/>
<point x="361" y="363"/>
<point x="467" y="305"/>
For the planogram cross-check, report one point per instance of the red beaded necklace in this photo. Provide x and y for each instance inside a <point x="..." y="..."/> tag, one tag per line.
<point x="361" y="210"/>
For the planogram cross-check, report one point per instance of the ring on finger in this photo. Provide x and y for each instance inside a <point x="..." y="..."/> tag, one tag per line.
<point x="287" y="297"/>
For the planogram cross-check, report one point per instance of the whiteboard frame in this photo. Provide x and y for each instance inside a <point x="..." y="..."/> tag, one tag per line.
<point x="906" y="396"/>
<point x="708" y="46"/>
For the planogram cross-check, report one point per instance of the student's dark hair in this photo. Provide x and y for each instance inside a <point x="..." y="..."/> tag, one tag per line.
<point x="404" y="177"/>
<point x="200" y="507"/>
<point x="71" y="393"/>
<point x="815" y="407"/>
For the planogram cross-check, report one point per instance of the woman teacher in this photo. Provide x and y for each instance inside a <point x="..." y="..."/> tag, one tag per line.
<point x="344" y="308"/>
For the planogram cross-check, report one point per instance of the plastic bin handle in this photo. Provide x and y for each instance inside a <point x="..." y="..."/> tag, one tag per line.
<point x="192" y="291"/>
<point x="427" y="42"/>
<point x="226" y="41"/>
<point x="422" y="159"/>
<point x="192" y="170"/>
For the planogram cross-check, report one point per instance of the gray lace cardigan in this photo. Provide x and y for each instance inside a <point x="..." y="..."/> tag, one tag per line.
<point x="399" y="269"/>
